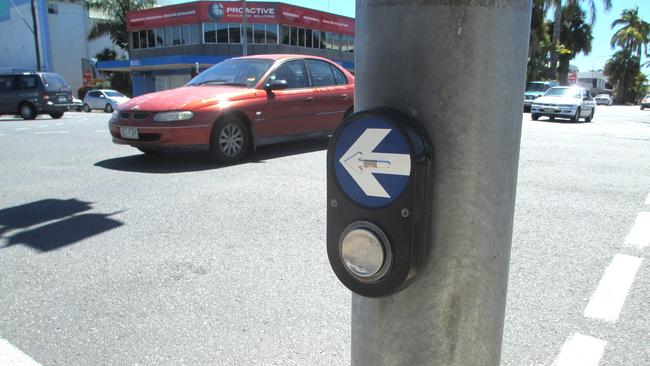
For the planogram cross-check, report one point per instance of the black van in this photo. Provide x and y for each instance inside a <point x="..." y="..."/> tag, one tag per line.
<point x="29" y="94"/>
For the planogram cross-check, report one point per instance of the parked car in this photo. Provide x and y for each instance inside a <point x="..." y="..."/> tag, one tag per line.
<point x="103" y="99"/>
<point x="536" y="89"/>
<point x="645" y="102"/>
<point x="238" y="105"/>
<point x="604" y="99"/>
<point x="77" y="104"/>
<point x="565" y="102"/>
<point x="29" y="94"/>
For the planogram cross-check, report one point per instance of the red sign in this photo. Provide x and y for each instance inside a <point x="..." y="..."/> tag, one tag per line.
<point x="232" y="12"/>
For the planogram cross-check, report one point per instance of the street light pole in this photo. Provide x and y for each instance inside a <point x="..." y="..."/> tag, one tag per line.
<point x="35" y="31"/>
<point x="458" y="67"/>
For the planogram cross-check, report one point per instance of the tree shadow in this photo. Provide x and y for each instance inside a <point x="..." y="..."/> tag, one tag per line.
<point x="63" y="226"/>
<point x="189" y="162"/>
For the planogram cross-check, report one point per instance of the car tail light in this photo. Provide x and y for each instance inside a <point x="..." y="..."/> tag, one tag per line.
<point x="46" y="96"/>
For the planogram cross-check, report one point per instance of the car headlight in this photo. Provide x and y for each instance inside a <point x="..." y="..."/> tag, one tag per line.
<point x="173" y="116"/>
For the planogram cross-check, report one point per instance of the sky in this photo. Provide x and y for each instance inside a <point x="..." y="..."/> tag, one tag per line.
<point x="600" y="48"/>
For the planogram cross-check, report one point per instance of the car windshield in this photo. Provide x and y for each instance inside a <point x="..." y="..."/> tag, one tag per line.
<point x="240" y="72"/>
<point x="112" y="93"/>
<point x="536" y="87"/>
<point x="54" y="81"/>
<point x="563" y="92"/>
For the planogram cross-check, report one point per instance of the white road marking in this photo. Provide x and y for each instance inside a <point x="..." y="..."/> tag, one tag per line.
<point x="12" y="356"/>
<point x="50" y="132"/>
<point x="606" y="303"/>
<point x="21" y="129"/>
<point x="647" y="199"/>
<point x="639" y="236"/>
<point x="580" y="350"/>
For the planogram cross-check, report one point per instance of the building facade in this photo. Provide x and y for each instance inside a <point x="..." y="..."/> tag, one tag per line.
<point x="167" y="43"/>
<point x="62" y="29"/>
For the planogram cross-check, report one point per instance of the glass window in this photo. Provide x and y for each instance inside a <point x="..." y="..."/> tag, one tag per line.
<point x="328" y="41"/>
<point x="177" y="37"/>
<point x="294" y="72"/>
<point x="351" y="44"/>
<point x="151" y="38"/>
<point x="320" y="73"/>
<point x="244" y="72"/>
<point x="27" y="82"/>
<point x="143" y="39"/>
<point x="323" y="40"/>
<point x="336" y="41"/>
<point x="344" y="42"/>
<point x="285" y="34"/>
<point x="6" y="83"/>
<point x="209" y="33"/>
<point x="168" y="36"/>
<point x="317" y="39"/>
<point x="135" y="40"/>
<point x="272" y="34"/>
<point x="186" y="39"/>
<point x="294" y="36"/>
<point x="339" y="76"/>
<point x="53" y="81"/>
<point x="234" y="33"/>
<point x="308" y="38"/>
<point x="259" y="33"/>
<point x="160" y="37"/>
<point x="195" y="33"/>
<point x="301" y="37"/>
<point x="249" y="32"/>
<point x="222" y="33"/>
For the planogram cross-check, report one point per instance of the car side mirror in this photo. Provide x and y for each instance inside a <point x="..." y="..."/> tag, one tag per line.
<point x="276" y="85"/>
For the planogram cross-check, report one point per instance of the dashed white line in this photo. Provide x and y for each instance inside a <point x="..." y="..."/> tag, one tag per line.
<point x="12" y="356"/>
<point x="639" y="236"/>
<point x="608" y="299"/>
<point x="580" y="350"/>
<point x="21" y="129"/>
<point x="50" y="132"/>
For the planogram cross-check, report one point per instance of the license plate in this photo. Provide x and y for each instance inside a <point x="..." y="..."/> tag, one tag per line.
<point x="130" y="133"/>
<point x="549" y="110"/>
<point x="62" y="99"/>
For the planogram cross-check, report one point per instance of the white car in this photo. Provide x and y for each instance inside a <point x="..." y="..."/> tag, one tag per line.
<point x="104" y="99"/>
<point x="564" y="102"/>
<point x="603" y="99"/>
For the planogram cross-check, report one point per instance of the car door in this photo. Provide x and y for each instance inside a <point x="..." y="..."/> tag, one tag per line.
<point x="288" y="111"/>
<point x="7" y="102"/>
<point x="332" y="94"/>
<point x="587" y="103"/>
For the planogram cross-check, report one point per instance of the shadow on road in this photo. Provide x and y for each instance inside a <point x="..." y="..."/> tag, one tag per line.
<point x="189" y="162"/>
<point x="69" y="229"/>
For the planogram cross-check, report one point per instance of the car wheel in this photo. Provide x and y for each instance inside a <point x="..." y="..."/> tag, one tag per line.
<point x="27" y="111"/>
<point x="56" y="115"/>
<point x="576" y="117"/>
<point x="591" y="115"/>
<point x="230" y="140"/>
<point x="86" y="108"/>
<point x="534" y="116"/>
<point x="642" y="107"/>
<point x="108" y="108"/>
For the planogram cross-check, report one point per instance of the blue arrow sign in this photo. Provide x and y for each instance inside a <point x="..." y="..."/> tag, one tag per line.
<point x="372" y="161"/>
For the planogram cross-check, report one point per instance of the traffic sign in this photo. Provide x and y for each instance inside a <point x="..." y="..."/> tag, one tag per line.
<point x="372" y="161"/>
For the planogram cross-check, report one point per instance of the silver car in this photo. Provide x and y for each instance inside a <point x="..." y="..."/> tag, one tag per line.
<point x="104" y="99"/>
<point x="564" y="102"/>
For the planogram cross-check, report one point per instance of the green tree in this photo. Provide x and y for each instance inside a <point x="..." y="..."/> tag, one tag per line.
<point x="119" y="81"/>
<point x="539" y="43"/>
<point x="622" y="70"/>
<point x="115" y="25"/>
<point x="575" y="37"/>
<point x="634" y="35"/>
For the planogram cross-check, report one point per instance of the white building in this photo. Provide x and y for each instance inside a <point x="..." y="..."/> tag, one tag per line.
<point x="62" y="27"/>
<point x="592" y="79"/>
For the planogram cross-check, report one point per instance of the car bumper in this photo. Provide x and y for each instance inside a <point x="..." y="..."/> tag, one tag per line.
<point x="163" y="136"/>
<point x="553" y="111"/>
<point x="52" y="107"/>
<point x="528" y="103"/>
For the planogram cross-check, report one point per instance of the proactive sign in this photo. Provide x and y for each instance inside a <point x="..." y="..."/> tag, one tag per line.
<point x="377" y="192"/>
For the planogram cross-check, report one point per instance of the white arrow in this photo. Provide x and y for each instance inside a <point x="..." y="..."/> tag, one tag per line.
<point x="361" y="162"/>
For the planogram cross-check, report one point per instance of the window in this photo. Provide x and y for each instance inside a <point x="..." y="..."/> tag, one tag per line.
<point x="344" y="42"/>
<point x="323" y="40"/>
<point x="135" y="40"/>
<point x="339" y="76"/>
<point x="143" y="39"/>
<point x="6" y="83"/>
<point x="195" y="33"/>
<point x="285" y="34"/>
<point x="294" y="36"/>
<point x="249" y="33"/>
<point x="336" y="42"/>
<point x="27" y="82"/>
<point x="151" y="38"/>
<point x="301" y="37"/>
<point x="316" y="43"/>
<point x="234" y="33"/>
<point x="320" y="73"/>
<point x="351" y="44"/>
<point x="294" y="72"/>
<point x="308" y="39"/>
<point x="209" y="33"/>
<point x="168" y="36"/>
<point x="160" y="37"/>
<point x="222" y="33"/>
<point x="259" y="33"/>
<point x="186" y="39"/>
<point x="177" y="36"/>
<point x="328" y="41"/>
<point x="272" y="34"/>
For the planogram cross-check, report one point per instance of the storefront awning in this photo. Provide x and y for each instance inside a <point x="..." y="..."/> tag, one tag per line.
<point x="160" y="63"/>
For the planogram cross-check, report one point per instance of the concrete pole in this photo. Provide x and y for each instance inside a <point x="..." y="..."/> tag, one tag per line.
<point x="459" y="67"/>
<point x="35" y="31"/>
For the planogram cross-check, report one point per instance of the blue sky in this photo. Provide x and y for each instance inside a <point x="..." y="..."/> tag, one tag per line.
<point x="600" y="53"/>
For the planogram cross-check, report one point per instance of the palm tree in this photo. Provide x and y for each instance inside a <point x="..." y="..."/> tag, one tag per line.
<point x="634" y="35"/>
<point x="557" y="24"/>
<point x="115" y="25"/>
<point x="575" y="37"/>
<point x="539" y="42"/>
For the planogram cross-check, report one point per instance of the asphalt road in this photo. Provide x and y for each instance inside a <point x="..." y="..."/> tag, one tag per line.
<point x="110" y="257"/>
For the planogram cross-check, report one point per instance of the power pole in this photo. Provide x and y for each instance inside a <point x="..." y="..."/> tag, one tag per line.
<point x="245" y="36"/>
<point x="35" y="31"/>
<point x="458" y="67"/>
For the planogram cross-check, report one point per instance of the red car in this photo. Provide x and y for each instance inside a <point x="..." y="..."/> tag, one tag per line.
<point x="239" y="104"/>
